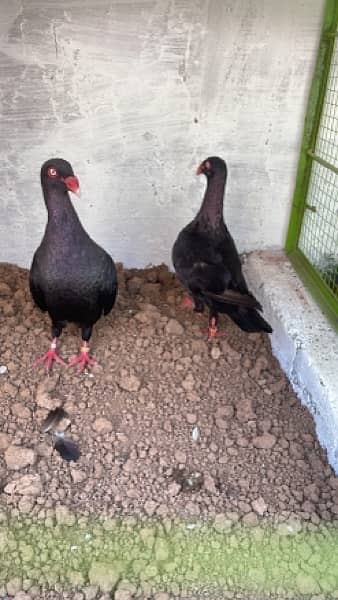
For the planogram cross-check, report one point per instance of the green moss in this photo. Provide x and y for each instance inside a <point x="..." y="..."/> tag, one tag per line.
<point x="262" y="558"/>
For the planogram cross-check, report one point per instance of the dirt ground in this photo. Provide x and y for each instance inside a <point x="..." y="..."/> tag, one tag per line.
<point x="169" y="426"/>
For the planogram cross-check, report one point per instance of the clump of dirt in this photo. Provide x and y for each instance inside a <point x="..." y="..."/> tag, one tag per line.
<point x="164" y="399"/>
<point x="169" y="426"/>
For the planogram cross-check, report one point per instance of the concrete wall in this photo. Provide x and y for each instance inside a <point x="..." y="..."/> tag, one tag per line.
<point x="135" y="93"/>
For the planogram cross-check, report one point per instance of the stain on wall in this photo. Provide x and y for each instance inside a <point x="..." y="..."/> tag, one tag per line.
<point x="135" y="93"/>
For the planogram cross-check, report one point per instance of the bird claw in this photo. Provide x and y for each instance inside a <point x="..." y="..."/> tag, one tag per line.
<point x="212" y="331"/>
<point x="48" y="358"/>
<point x="82" y="360"/>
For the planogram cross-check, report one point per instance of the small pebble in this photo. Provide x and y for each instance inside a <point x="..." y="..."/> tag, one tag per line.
<point x="102" y="426"/>
<point x="174" y="489"/>
<point x="266" y="441"/>
<point x="180" y="457"/>
<point x="191" y="418"/>
<point x="195" y="434"/>
<point x="129" y="382"/>
<point x="17" y="457"/>
<point x="259" y="506"/>
<point x="173" y="327"/>
<point x="150" y="507"/>
<point x="215" y="352"/>
<point x="27" y="485"/>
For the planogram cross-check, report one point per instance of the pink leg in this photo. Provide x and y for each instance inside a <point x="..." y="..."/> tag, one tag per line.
<point x="188" y="302"/>
<point x="83" y="359"/>
<point x="212" y="331"/>
<point x="50" y="356"/>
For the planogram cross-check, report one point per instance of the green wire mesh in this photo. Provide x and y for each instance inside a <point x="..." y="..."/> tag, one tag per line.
<point x="319" y="233"/>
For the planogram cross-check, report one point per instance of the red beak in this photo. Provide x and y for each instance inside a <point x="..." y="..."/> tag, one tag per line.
<point x="73" y="185"/>
<point x="200" y="169"/>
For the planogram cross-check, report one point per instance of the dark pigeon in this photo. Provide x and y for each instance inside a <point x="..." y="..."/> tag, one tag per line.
<point x="207" y="262"/>
<point x="71" y="277"/>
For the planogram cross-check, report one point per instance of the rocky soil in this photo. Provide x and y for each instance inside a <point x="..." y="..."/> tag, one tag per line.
<point x="169" y="426"/>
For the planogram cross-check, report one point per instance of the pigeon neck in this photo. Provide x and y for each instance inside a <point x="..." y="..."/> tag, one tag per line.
<point x="61" y="213"/>
<point x="212" y="206"/>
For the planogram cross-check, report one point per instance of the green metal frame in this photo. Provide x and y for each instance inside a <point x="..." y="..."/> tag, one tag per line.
<point x="310" y="276"/>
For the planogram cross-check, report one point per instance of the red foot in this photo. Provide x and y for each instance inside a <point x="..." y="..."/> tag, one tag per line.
<point x="212" y="331"/>
<point x="83" y="359"/>
<point x="49" y="357"/>
<point x="188" y="303"/>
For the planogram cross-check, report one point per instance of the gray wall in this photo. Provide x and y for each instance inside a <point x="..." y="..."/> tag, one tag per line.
<point x="135" y="94"/>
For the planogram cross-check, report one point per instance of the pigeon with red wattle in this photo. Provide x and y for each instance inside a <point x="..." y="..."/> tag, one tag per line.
<point x="71" y="277"/>
<point x="207" y="262"/>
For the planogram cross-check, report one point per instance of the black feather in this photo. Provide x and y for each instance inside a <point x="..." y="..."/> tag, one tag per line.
<point x="53" y="419"/>
<point x="35" y="288"/>
<point x="233" y="297"/>
<point x="67" y="449"/>
<point x="207" y="262"/>
<point x="249" y="320"/>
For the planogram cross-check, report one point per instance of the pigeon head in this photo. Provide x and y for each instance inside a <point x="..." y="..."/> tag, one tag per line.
<point x="211" y="166"/>
<point x="58" y="173"/>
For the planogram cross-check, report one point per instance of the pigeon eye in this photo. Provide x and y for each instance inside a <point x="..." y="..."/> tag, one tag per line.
<point x="52" y="172"/>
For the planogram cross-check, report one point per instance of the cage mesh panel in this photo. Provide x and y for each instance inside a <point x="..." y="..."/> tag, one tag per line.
<point x="327" y="139"/>
<point x="319" y="233"/>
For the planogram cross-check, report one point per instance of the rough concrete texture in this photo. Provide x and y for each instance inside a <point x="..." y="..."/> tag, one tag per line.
<point x="135" y="94"/>
<point x="303" y="341"/>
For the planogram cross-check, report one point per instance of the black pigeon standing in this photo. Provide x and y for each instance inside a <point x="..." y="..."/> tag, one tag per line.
<point x="71" y="277"/>
<point x="207" y="262"/>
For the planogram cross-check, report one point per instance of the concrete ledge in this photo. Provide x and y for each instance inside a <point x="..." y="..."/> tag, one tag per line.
<point x="303" y="341"/>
